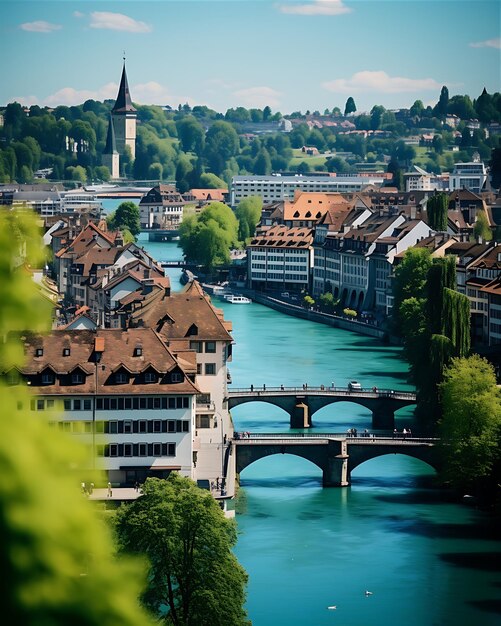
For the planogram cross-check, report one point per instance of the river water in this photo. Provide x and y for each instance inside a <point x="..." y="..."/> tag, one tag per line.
<point x="426" y="560"/>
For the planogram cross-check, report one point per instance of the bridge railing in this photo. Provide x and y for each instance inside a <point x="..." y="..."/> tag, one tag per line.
<point x="360" y="438"/>
<point x="322" y="390"/>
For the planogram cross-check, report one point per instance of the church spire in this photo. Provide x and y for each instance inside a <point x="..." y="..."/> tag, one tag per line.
<point x="111" y="146"/>
<point x="123" y="102"/>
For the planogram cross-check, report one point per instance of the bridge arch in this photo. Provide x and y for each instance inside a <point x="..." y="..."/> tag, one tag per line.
<point x="244" y="459"/>
<point x="362" y="454"/>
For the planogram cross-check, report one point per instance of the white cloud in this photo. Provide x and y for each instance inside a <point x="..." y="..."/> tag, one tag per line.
<point x="40" y="26"/>
<point x="488" y="43"/>
<point x="156" y="93"/>
<point x="317" y="7"/>
<point x="69" y="96"/>
<point x="78" y="14"/>
<point x="258" y="97"/>
<point x="117" y="21"/>
<point x="26" y="101"/>
<point x="379" y="81"/>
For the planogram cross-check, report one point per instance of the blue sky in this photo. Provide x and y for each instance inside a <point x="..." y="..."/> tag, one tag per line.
<point x="291" y="55"/>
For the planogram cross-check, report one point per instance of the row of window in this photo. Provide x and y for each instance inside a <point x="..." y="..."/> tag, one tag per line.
<point x="113" y="404"/>
<point x="120" y="427"/>
<point x="137" y="449"/>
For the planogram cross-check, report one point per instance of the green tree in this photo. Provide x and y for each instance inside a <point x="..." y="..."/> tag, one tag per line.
<point x="437" y="207"/>
<point x="102" y="173"/>
<point x="482" y="228"/>
<point x="471" y="423"/>
<point x="126" y="216"/>
<point x="248" y="213"/>
<point x="262" y="164"/>
<point x="207" y="238"/>
<point x="416" y="109"/>
<point x="57" y="562"/>
<point x="191" y="134"/>
<point x="350" y="106"/>
<point x="441" y="107"/>
<point x="188" y="542"/>
<point x="211" y="181"/>
<point x="221" y="144"/>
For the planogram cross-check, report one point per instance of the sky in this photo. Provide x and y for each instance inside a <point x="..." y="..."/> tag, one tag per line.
<point x="289" y="55"/>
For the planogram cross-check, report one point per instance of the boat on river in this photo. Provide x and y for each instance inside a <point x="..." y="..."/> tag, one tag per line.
<point x="235" y="299"/>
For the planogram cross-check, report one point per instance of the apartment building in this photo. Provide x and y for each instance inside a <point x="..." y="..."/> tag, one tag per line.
<point x="123" y="394"/>
<point x="280" y="187"/>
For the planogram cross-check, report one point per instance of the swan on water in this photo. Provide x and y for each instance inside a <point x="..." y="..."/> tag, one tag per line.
<point x="332" y="608"/>
<point x="368" y="593"/>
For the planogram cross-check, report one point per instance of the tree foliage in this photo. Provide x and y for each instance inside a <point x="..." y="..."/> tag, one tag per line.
<point x="126" y="217"/>
<point x="350" y="106"/>
<point x="471" y="423"/>
<point x="437" y="207"/>
<point x="248" y="213"/>
<point x="482" y="228"/>
<point x="187" y="540"/>
<point x="207" y="238"/>
<point x="57" y="563"/>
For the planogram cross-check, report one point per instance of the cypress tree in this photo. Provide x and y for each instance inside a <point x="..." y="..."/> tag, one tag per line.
<point x="437" y="207"/>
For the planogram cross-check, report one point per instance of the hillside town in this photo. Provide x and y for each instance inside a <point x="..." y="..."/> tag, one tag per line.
<point x="139" y="372"/>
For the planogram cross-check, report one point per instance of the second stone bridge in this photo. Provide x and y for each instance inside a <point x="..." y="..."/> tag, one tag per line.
<point x="336" y="455"/>
<point x="301" y="403"/>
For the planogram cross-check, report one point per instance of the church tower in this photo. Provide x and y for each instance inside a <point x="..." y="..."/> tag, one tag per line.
<point x="111" y="158"/>
<point x="124" y="118"/>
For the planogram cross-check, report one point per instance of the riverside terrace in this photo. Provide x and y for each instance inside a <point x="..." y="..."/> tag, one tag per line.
<point x="336" y="455"/>
<point x="302" y="402"/>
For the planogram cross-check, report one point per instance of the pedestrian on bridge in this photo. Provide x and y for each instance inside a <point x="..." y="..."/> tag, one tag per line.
<point x="252" y="387"/>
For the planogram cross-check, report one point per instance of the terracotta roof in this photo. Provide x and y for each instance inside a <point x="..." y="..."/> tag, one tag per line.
<point x="118" y="351"/>
<point x="282" y="237"/>
<point x="188" y="314"/>
<point x="208" y="194"/>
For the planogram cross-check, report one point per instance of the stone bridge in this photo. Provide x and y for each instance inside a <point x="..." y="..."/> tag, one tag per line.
<point x="301" y="403"/>
<point x="336" y="455"/>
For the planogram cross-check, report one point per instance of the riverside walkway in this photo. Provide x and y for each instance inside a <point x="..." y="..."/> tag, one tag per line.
<point x="334" y="453"/>
<point x="301" y="403"/>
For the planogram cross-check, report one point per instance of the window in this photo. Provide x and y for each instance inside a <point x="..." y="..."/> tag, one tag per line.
<point x="77" y="378"/>
<point x="157" y="426"/>
<point x="210" y="369"/>
<point x="127" y="449"/>
<point x="77" y="405"/>
<point x="138" y="351"/>
<point x="171" y="449"/>
<point x="171" y="426"/>
<point x="39" y="352"/>
<point x="157" y="449"/>
<point x="142" y="426"/>
<point x="196" y="345"/>
<point x="113" y="449"/>
<point x="127" y="426"/>
<point x="40" y="405"/>
<point x="121" y="378"/>
<point x="47" y="378"/>
<point x="176" y="377"/>
<point x="150" y="377"/>
<point x="203" y="421"/>
<point x="66" y="352"/>
<point x="113" y="427"/>
<point x="210" y="347"/>
<point x="142" y="449"/>
<point x="67" y="405"/>
<point x="86" y="405"/>
<point x="199" y="368"/>
<point x="50" y="403"/>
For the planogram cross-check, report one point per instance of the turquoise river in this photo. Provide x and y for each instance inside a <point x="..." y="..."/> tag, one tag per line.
<point x="427" y="560"/>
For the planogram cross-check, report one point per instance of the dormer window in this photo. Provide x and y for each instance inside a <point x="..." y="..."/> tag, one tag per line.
<point x="121" y="378"/>
<point x="138" y="351"/>
<point x="47" y="378"/>
<point x="39" y="352"/>
<point x="150" y="377"/>
<point x="66" y="352"/>
<point x="77" y="378"/>
<point x="176" y="377"/>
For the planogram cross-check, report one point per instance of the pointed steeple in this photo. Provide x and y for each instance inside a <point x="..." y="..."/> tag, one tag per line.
<point x="123" y="102"/>
<point x="111" y="146"/>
